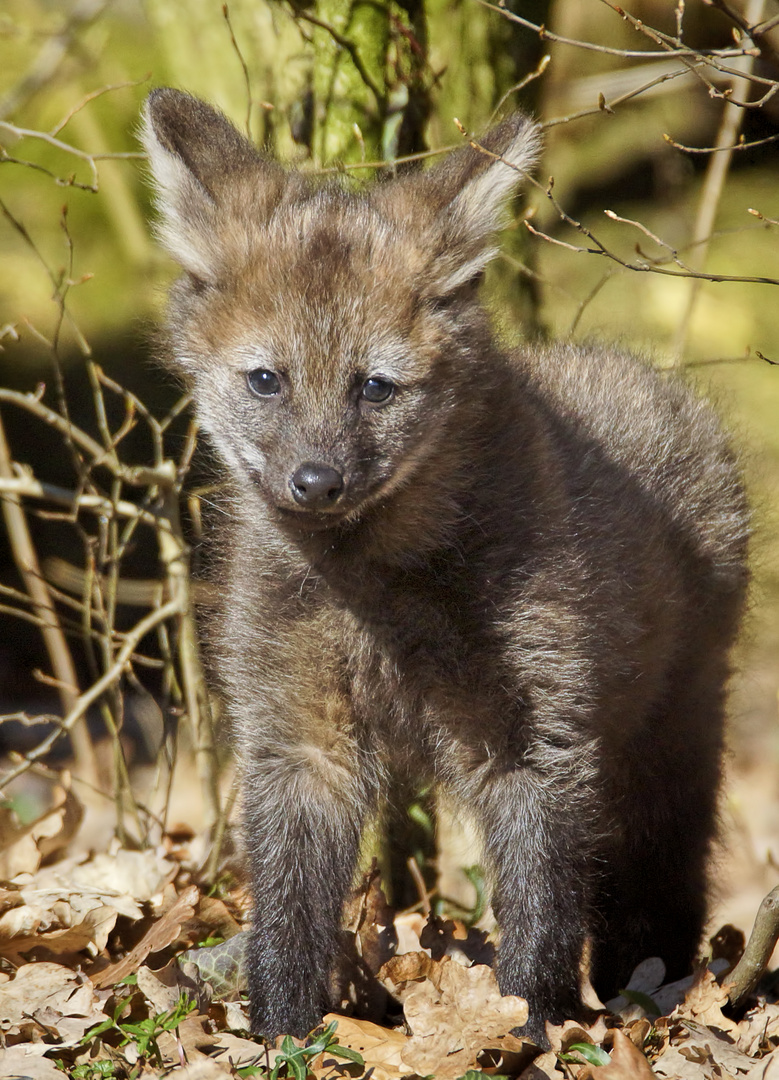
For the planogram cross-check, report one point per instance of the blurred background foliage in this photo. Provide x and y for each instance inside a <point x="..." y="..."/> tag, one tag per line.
<point x="339" y="85"/>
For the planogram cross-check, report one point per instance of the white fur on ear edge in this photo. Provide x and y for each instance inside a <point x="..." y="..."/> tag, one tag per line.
<point x="481" y="202"/>
<point x="477" y="210"/>
<point x="185" y="227"/>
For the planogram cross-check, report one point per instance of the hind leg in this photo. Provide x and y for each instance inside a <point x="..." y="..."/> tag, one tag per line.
<point x="653" y="892"/>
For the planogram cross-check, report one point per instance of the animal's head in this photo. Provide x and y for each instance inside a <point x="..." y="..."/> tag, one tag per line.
<point x="326" y="334"/>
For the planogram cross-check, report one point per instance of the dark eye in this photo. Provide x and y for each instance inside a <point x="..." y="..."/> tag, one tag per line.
<point x="378" y="390"/>
<point x="263" y="382"/>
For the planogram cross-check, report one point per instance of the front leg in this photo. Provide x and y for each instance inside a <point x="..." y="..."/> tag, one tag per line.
<point x="307" y="794"/>
<point x="538" y="831"/>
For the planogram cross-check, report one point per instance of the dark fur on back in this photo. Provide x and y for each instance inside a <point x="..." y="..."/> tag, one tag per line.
<point x="518" y="574"/>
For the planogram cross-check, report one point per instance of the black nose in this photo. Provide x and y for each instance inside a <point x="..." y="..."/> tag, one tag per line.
<point x="316" y="486"/>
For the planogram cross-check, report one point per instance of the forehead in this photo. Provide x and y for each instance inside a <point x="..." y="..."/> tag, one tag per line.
<point x="335" y="244"/>
<point x="327" y="273"/>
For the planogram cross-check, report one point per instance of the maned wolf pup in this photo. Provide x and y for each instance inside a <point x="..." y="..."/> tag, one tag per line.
<point x="516" y="574"/>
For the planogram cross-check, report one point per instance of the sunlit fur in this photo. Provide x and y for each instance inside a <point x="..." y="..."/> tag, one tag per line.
<point x="526" y="591"/>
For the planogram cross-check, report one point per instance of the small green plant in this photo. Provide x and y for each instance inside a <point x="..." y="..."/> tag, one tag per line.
<point x="90" y="1070"/>
<point x="592" y="1054"/>
<point x="104" y="1069"/>
<point x="293" y="1061"/>
<point x="143" y="1033"/>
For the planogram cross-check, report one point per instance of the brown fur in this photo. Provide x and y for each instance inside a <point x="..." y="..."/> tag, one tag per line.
<point x="518" y="576"/>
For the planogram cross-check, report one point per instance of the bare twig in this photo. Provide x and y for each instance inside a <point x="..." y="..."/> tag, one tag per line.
<point x="419" y="881"/>
<point x="60" y="657"/>
<point x="104" y="683"/>
<point x="174" y="556"/>
<point x="599" y="248"/>
<point x="740" y="145"/>
<point x="750" y="28"/>
<point x="716" y="172"/>
<point x="351" y="49"/>
<point x="51" y="55"/>
<point x="539" y="70"/>
<point x="611" y="104"/>
<point x="244" y="69"/>
<point x="590" y="46"/>
<point x="134" y="475"/>
<point x="676" y="47"/>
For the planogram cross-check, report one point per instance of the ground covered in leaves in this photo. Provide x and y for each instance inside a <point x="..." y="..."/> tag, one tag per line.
<point x="120" y="964"/>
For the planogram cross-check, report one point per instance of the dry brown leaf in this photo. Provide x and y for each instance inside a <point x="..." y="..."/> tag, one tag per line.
<point x="89" y="934"/>
<point x="49" y="988"/>
<point x="164" y="986"/>
<point x="20" y="853"/>
<point x="369" y="941"/>
<point x="191" y="1042"/>
<point x="408" y="927"/>
<point x="26" y="1061"/>
<point x="213" y="918"/>
<point x="370" y="918"/>
<point x="49" y="899"/>
<point x="704" y="1001"/>
<point x="510" y="1057"/>
<point x="23" y="846"/>
<point x="235" y="1015"/>
<point x="545" y="1065"/>
<point x="627" y="1063"/>
<point x="701" y="1047"/>
<point x="562" y="1035"/>
<point x="205" y="1069"/>
<point x="158" y="936"/>
<point x="401" y="973"/>
<point x="229" y="1048"/>
<point x="140" y="874"/>
<point x="765" y="1069"/>
<point x="451" y="1023"/>
<point x="757" y="1027"/>
<point x="380" y="1047"/>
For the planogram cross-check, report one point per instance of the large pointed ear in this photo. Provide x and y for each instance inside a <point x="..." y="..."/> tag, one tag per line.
<point x="199" y="162"/>
<point x="462" y="201"/>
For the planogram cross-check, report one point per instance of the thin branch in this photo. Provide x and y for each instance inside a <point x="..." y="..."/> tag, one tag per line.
<point x="600" y="248"/>
<point x="55" y="279"/>
<point x="611" y="105"/>
<point x="675" y="47"/>
<point x="539" y="70"/>
<point x="58" y="144"/>
<point x="422" y="155"/>
<point x="135" y="475"/>
<point x="30" y="487"/>
<point x="174" y="556"/>
<point x="753" y="29"/>
<point x="639" y="267"/>
<point x="648" y="233"/>
<point x="351" y="49"/>
<point x="105" y="682"/>
<point x="590" y="46"/>
<point x="740" y="145"/>
<point x="585" y="303"/>
<point x="716" y="173"/>
<point x="87" y="98"/>
<point x="26" y="560"/>
<point x="244" y="68"/>
<point x="51" y="55"/>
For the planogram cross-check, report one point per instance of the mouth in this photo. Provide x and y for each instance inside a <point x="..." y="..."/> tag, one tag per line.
<point x="311" y="520"/>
